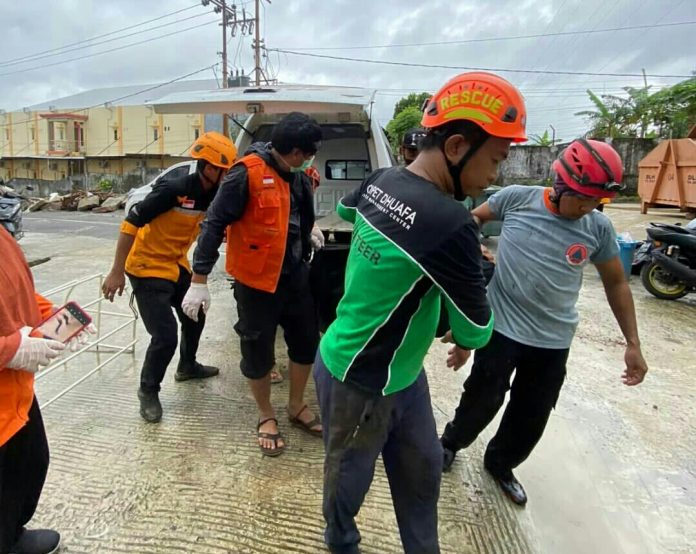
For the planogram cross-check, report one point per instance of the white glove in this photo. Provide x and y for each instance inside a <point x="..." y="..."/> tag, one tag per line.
<point x="197" y="297"/>
<point x="81" y="338"/>
<point x="317" y="238"/>
<point x="34" y="352"/>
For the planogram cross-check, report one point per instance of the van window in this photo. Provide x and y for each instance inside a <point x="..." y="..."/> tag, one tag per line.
<point x="351" y="170"/>
<point x="175" y="173"/>
<point x="182" y="171"/>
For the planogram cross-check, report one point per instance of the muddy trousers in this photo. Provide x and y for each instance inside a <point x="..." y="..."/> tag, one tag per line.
<point x="539" y="375"/>
<point x="23" y="467"/>
<point x="358" y="426"/>
<point x="156" y="298"/>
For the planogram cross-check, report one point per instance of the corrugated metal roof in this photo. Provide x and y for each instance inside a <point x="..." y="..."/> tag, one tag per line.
<point x="131" y="95"/>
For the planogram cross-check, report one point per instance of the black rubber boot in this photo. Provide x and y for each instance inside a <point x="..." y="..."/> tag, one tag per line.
<point x="37" y="541"/>
<point x="512" y="488"/>
<point x="150" y="407"/>
<point x="448" y="459"/>
<point x="198" y="371"/>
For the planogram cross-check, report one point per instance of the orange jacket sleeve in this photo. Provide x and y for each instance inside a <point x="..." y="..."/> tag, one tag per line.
<point x="8" y="348"/>
<point x="46" y="307"/>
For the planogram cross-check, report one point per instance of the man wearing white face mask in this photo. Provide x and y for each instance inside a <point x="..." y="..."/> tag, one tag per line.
<point x="266" y="208"/>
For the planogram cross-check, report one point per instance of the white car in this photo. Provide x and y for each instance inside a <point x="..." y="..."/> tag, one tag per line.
<point x="180" y="169"/>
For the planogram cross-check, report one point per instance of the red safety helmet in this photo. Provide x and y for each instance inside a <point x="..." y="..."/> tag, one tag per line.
<point x="591" y="167"/>
<point x="314" y="176"/>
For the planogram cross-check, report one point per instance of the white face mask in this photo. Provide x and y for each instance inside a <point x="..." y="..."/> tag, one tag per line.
<point x="305" y="166"/>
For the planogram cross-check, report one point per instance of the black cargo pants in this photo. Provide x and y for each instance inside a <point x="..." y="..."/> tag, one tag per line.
<point x="156" y="298"/>
<point x="539" y="376"/>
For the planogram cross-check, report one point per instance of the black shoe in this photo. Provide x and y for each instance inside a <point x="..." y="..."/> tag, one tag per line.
<point x="448" y="459"/>
<point x="37" y="541"/>
<point x="198" y="371"/>
<point x="150" y="407"/>
<point x="512" y="488"/>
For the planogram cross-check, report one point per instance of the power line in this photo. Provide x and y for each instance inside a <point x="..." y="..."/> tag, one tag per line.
<point x="113" y="100"/>
<point x="473" y="68"/>
<point x="7" y="62"/>
<point x="107" y="51"/>
<point x="491" y="39"/>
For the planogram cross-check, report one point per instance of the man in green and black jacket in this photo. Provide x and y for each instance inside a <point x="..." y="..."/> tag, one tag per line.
<point x="413" y="246"/>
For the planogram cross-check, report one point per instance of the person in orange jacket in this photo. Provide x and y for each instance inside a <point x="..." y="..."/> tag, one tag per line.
<point x="266" y="207"/>
<point x="153" y="250"/>
<point x="23" y="443"/>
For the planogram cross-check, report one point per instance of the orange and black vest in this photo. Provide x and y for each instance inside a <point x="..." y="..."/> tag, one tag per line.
<point x="167" y="224"/>
<point x="256" y="242"/>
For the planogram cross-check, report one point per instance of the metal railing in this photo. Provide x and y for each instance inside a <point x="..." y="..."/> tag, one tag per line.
<point x="98" y="344"/>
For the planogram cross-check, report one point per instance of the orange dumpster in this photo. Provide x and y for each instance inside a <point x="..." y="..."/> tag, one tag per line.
<point x="667" y="175"/>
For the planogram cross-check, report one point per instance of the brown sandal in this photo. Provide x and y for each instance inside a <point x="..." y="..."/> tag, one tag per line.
<point x="275" y="437"/>
<point x="306" y="427"/>
<point x="276" y="376"/>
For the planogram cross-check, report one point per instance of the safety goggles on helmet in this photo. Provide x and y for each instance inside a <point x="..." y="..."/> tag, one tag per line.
<point x="584" y="180"/>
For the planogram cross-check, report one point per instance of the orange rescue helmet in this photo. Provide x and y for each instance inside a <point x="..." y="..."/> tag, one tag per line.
<point x="485" y="99"/>
<point x="215" y="148"/>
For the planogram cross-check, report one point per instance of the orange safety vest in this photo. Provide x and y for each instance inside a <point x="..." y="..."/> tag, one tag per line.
<point x="256" y="243"/>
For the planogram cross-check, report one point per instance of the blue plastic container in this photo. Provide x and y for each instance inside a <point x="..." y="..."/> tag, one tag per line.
<point x="626" y="250"/>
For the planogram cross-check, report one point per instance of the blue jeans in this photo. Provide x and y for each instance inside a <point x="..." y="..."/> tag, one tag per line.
<point x="358" y="426"/>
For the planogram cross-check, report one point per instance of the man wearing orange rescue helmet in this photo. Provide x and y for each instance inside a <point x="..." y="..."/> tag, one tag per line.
<point x="413" y="246"/>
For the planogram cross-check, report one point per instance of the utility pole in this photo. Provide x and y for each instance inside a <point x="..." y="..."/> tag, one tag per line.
<point x="225" y="123"/>
<point x="245" y="25"/>
<point x="257" y="48"/>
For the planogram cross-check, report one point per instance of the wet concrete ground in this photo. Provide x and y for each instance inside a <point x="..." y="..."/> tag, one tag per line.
<point x="614" y="473"/>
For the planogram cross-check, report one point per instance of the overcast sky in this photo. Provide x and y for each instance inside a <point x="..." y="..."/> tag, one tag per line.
<point x="31" y="28"/>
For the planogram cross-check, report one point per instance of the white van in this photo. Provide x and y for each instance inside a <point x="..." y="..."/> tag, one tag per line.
<point x="353" y="145"/>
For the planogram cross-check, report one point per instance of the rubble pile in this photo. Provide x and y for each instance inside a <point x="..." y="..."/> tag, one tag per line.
<point x="98" y="202"/>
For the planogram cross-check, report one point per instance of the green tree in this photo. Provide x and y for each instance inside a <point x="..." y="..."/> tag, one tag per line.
<point x="673" y="110"/>
<point x="670" y="112"/>
<point x="413" y="99"/>
<point x="407" y="118"/>
<point x="542" y="140"/>
<point x="610" y="118"/>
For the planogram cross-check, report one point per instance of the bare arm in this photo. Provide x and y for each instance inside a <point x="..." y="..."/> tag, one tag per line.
<point x="621" y="302"/>
<point x="115" y="281"/>
<point x="483" y="213"/>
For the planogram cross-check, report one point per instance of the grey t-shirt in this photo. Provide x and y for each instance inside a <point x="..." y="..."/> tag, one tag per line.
<point x="540" y="261"/>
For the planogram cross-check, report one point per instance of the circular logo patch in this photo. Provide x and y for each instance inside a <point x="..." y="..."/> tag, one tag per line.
<point x="576" y="254"/>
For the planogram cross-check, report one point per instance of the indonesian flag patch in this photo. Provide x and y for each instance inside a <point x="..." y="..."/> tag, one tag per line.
<point x="268" y="179"/>
<point x="188" y="204"/>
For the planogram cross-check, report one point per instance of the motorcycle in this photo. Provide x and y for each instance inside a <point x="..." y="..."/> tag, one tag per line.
<point x="670" y="272"/>
<point x="11" y="212"/>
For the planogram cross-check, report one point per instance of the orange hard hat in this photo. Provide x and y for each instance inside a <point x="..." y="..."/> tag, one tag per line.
<point x="214" y="148"/>
<point x="485" y="99"/>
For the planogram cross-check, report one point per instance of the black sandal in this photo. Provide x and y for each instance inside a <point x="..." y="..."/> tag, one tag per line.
<point x="275" y="437"/>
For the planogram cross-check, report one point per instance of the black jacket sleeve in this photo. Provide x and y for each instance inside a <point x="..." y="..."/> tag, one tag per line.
<point x="228" y="206"/>
<point x="162" y="198"/>
<point x="455" y="267"/>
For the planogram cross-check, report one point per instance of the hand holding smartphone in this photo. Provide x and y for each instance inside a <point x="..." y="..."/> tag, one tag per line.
<point x="65" y="323"/>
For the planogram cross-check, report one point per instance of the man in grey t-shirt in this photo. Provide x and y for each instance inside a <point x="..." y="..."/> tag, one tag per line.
<point x="548" y="236"/>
